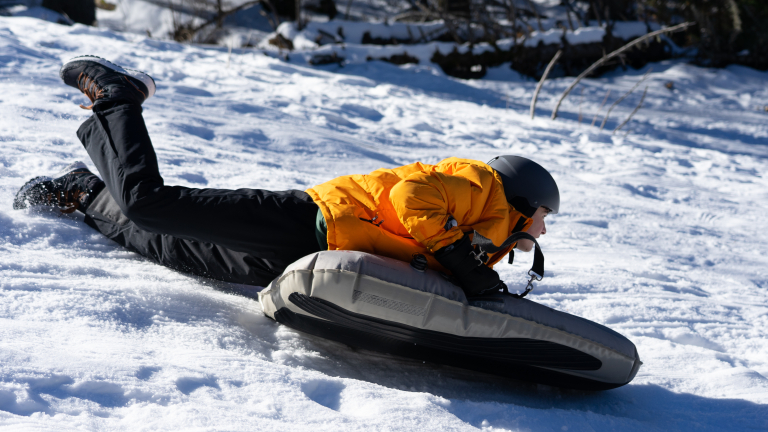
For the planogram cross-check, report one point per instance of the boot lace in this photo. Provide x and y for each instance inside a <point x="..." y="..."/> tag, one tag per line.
<point x="66" y="201"/>
<point x="89" y="87"/>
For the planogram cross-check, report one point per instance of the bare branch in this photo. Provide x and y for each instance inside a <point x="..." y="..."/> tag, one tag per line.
<point x="536" y="14"/>
<point x="449" y="24"/>
<point x="275" y="20"/>
<point x="570" y="22"/>
<point x="637" y="108"/>
<point x="541" y="81"/>
<point x="618" y="101"/>
<point x="299" y="22"/>
<point x="594" y="119"/>
<point x="598" y="63"/>
<point x="221" y="16"/>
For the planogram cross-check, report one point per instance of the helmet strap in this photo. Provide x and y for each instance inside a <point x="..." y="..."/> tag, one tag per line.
<point x="536" y="272"/>
<point x="521" y="204"/>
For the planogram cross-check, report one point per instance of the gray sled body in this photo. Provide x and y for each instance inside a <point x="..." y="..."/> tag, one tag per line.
<point x="383" y="304"/>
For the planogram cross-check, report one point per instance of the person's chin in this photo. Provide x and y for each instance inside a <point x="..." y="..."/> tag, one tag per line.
<point x="524" y="245"/>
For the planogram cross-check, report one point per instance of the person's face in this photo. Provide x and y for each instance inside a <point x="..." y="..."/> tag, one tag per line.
<point x="537" y="229"/>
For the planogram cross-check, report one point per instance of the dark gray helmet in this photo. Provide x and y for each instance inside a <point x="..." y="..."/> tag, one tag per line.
<point x="527" y="184"/>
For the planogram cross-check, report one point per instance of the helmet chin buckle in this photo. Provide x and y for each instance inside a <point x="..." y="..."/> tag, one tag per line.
<point x="537" y="270"/>
<point x="481" y="257"/>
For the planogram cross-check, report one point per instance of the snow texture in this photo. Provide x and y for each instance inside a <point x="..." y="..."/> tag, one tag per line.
<point x="661" y="236"/>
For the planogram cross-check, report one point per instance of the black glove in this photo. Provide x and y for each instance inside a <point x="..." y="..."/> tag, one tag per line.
<point x="473" y="275"/>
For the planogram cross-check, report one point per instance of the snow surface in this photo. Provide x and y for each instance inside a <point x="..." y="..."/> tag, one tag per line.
<point x="661" y="236"/>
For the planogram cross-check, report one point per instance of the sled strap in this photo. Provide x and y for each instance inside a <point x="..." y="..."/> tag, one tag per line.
<point x="537" y="269"/>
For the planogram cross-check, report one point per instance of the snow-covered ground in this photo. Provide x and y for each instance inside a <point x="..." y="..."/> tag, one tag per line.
<point x="661" y="236"/>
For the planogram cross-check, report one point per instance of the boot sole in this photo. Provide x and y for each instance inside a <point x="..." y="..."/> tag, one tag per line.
<point x="19" y="202"/>
<point x="140" y="76"/>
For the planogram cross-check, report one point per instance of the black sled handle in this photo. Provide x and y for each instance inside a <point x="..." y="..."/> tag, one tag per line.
<point x="486" y="245"/>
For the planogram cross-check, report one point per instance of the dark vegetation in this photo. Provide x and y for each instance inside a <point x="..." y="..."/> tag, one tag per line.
<point x="79" y="11"/>
<point x="725" y="31"/>
<point x="532" y="61"/>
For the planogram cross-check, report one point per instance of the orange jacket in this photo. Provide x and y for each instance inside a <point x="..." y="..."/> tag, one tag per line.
<point x="402" y="211"/>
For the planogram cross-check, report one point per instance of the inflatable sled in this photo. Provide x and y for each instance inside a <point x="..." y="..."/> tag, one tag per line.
<point x="386" y="305"/>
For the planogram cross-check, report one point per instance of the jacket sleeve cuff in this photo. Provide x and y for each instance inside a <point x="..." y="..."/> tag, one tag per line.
<point x="440" y="241"/>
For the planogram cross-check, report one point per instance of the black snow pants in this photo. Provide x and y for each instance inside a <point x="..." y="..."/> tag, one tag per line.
<point x="244" y="236"/>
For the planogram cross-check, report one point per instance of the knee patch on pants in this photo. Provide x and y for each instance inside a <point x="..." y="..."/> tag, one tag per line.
<point x="105" y="206"/>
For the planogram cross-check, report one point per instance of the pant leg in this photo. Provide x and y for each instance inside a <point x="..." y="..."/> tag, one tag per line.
<point x="202" y="259"/>
<point x="276" y="226"/>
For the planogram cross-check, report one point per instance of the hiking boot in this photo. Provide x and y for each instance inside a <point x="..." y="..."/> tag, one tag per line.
<point x="69" y="190"/>
<point x="105" y="82"/>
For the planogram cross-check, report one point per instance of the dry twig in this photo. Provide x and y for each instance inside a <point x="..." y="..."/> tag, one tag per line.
<point x="598" y="63"/>
<point x="186" y="32"/>
<point x="605" y="99"/>
<point x="618" y="101"/>
<point x="536" y="14"/>
<point x="637" y="108"/>
<point x="541" y="81"/>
